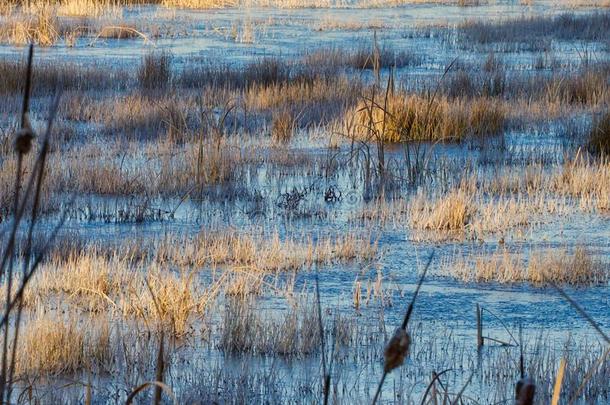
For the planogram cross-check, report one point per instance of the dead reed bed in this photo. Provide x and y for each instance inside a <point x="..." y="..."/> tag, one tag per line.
<point x="264" y="252"/>
<point x="568" y="26"/>
<point x="405" y="118"/>
<point x="47" y="77"/>
<point x="509" y="201"/>
<point x="583" y="86"/>
<point x="293" y="333"/>
<point x="116" y="279"/>
<point x="97" y="283"/>
<point x="578" y="268"/>
<point x="155" y="71"/>
<point x="53" y="345"/>
<point x="362" y="58"/>
<point x="49" y="23"/>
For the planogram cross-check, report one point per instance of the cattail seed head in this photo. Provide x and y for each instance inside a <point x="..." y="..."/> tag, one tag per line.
<point x="23" y="141"/>
<point x="525" y="391"/>
<point x="397" y="349"/>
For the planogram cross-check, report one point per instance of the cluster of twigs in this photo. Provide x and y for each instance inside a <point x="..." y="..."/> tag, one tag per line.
<point x="27" y="196"/>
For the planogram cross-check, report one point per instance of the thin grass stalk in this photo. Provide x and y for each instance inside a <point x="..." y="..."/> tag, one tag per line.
<point x="380" y="137"/>
<point x="19" y="216"/>
<point x="582" y="312"/>
<point x="88" y="391"/>
<point x="325" y="370"/>
<point x="147" y="384"/>
<point x="558" y="382"/>
<point x="160" y="368"/>
<point x="459" y="395"/>
<point x="521" y="357"/>
<point x="435" y="377"/>
<point x="416" y="293"/>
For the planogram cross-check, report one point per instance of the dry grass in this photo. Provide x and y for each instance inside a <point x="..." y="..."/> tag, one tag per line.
<point x="104" y="171"/>
<point x="90" y="8"/>
<point x="175" y="299"/>
<point x="48" y="76"/>
<point x="511" y="199"/>
<point x="51" y="345"/>
<point x="450" y="213"/>
<point x="135" y="280"/>
<point x="169" y="143"/>
<point x="282" y="127"/>
<point x="292" y="333"/>
<point x="541" y="268"/>
<point x="200" y="4"/>
<point x="155" y="71"/>
<point x="47" y="23"/>
<point x="120" y="283"/>
<point x="265" y="252"/>
<point x="461" y="213"/>
<point x="412" y="118"/>
<point x="332" y="24"/>
<point x="585" y="86"/>
<point x="567" y="26"/>
<point x="41" y="27"/>
<point x="585" y="181"/>
<point x="579" y="180"/>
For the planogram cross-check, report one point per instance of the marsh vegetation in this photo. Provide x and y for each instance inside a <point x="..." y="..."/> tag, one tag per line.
<point x="249" y="225"/>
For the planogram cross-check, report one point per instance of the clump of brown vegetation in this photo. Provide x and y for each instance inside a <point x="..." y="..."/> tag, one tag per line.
<point x="292" y="333"/>
<point x="543" y="267"/>
<point x="41" y="27"/>
<point x="566" y="26"/>
<point x="282" y="126"/>
<point x="407" y="117"/>
<point x="452" y="212"/>
<point x="49" y="76"/>
<point x="599" y="137"/>
<point x="129" y="285"/>
<point x="56" y="346"/>
<point x="155" y="71"/>
<point x="264" y="252"/>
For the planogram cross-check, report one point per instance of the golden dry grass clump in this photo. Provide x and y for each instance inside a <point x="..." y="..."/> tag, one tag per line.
<point x="128" y="285"/>
<point x="158" y="168"/>
<point x="143" y="283"/>
<point x="51" y="345"/>
<point x="451" y="212"/>
<point x="40" y="27"/>
<point x="540" y="267"/>
<point x="282" y="126"/>
<point x="586" y="181"/>
<point x="263" y="253"/>
<point x="90" y="278"/>
<point x="175" y="299"/>
<point x="90" y="8"/>
<point x="412" y="117"/>
<point x="46" y="23"/>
